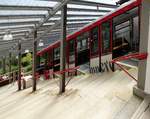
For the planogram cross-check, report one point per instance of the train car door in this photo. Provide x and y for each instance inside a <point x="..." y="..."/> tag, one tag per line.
<point x="106" y="45"/>
<point x="95" y="50"/>
<point x="83" y="51"/>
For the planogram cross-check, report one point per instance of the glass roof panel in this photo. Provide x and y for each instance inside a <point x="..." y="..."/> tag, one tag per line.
<point x="28" y="3"/>
<point x="19" y="16"/>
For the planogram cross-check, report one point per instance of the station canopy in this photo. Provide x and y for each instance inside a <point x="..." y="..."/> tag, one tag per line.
<point x="19" y="18"/>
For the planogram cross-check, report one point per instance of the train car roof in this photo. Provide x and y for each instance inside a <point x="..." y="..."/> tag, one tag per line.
<point x="121" y="9"/>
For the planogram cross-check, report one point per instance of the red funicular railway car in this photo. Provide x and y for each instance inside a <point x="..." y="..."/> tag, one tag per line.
<point x="113" y="35"/>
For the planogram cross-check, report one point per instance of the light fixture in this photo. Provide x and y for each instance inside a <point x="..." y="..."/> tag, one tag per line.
<point x="8" y="36"/>
<point x="41" y="43"/>
<point x="26" y="51"/>
<point x="16" y="57"/>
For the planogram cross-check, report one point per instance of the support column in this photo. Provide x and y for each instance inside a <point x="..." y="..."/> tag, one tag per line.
<point x="4" y="64"/>
<point x="63" y="47"/>
<point x="143" y="84"/>
<point x="34" y="61"/>
<point x="19" y="65"/>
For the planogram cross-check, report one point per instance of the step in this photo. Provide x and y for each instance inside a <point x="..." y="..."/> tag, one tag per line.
<point x="143" y="112"/>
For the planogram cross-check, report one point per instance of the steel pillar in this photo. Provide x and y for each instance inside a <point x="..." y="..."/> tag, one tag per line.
<point x="19" y="65"/>
<point x="63" y="47"/>
<point x="143" y="84"/>
<point x="34" y="61"/>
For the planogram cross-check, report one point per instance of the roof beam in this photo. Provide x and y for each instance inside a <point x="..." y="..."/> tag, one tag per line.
<point x="29" y="27"/>
<point x="2" y="33"/>
<point x="22" y="16"/>
<point x="45" y="8"/>
<point x="18" y="7"/>
<point x="18" y="34"/>
<point x="23" y="33"/>
<point x="56" y="8"/>
<point x="22" y="22"/>
<point x="23" y="7"/>
<point x="87" y="3"/>
<point x="86" y="10"/>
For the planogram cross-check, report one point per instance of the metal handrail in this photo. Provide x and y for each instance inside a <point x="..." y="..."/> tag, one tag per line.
<point x="139" y="56"/>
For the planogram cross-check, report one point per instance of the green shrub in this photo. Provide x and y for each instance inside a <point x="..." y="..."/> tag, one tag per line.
<point x="27" y="60"/>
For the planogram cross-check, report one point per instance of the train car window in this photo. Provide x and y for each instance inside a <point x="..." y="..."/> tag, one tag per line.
<point x="126" y="33"/>
<point x="50" y="57"/>
<point x="79" y="46"/>
<point x="42" y="59"/>
<point x="71" y="51"/>
<point x="71" y="47"/>
<point x="106" y="37"/>
<point x="57" y="53"/>
<point x="38" y="60"/>
<point x="123" y="32"/>
<point x="94" y="41"/>
<point x="82" y="42"/>
<point x="122" y="25"/>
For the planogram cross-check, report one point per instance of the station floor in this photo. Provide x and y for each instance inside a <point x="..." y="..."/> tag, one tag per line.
<point x="97" y="96"/>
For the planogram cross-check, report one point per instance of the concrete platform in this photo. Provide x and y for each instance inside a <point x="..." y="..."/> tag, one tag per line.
<point x="143" y="112"/>
<point x="98" y="96"/>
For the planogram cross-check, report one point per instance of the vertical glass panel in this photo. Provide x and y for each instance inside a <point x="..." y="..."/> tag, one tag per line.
<point x="82" y="42"/>
<point x="122" y="34"/>
<point x="42" y="58"/>
<point x="71" y="47"/>
<point x="50" y="57"/>
<point x="57" y="53"/>
<point x="94" y="41"/>
<point x="122" y="39"/>
<point x="71" y="51"/>
<point x="79" y="45"/>
<point x="106" y="37"/>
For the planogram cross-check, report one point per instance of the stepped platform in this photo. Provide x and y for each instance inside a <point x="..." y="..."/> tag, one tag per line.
<point x="97" y="96"/>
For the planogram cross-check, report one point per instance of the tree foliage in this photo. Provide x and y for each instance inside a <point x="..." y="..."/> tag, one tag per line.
<point x="27" y="60"/>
